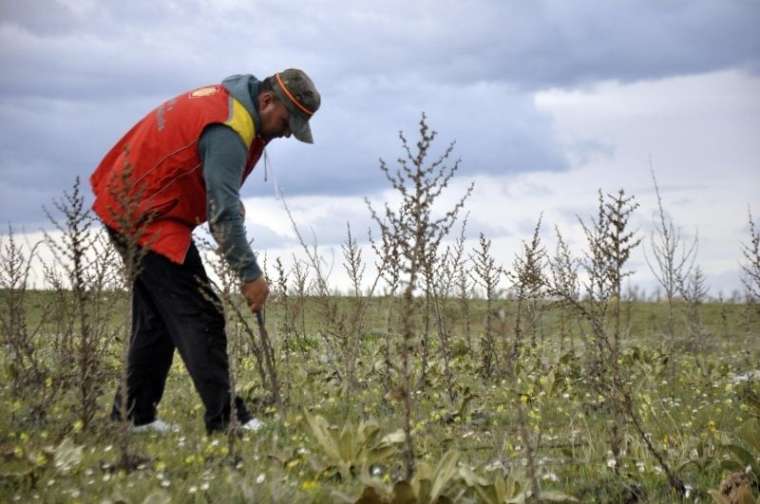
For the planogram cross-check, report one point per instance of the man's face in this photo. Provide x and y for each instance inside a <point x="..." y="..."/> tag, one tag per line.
<point x="274" y="117"/>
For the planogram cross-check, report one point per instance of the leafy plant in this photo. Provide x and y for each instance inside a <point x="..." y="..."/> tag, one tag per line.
<point x="426" y="487"/>
<point x="513" y="490"/>
<point x="745" y="454"/>
<point x="355" y="447"/>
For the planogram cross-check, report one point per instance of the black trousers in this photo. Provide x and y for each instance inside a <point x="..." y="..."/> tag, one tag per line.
<point x="170" y="310"/>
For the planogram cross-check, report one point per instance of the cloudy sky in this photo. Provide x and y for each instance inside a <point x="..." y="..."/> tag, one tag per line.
<point x="548" y="101"/>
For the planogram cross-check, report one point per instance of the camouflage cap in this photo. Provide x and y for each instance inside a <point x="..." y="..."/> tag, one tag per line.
<point x="296" y="90"/>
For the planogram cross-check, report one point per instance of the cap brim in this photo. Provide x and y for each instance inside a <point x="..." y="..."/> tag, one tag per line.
<point x="300" y="128"/>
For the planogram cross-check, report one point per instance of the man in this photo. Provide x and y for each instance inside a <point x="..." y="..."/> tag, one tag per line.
<point x="181" y="165"/>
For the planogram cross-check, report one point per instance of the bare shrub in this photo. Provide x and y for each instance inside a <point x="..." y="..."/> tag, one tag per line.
<point x="286" y="327"/>
<point x="300" y="279"/>
<point x="610" y="244"/>
<point x="694" y="292"/>
<point x="751" y="264"/>
<point x="442" y="288"/>
<point x="355" y="268"/>
<point x="528" y="282"/>
<point x="672" y="257"/>
<point x="344" y="324"/>
<point x="563" y="273"/>
<point x="486" y="274"/>
<point x="33" y="372"/>
<point x="417" y="233"/>
<point x="463" y="285"/>
<point x="86" y="261"/>
<point x="387" y="264"/>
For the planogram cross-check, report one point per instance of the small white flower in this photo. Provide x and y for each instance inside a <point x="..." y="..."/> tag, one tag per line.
<point x="165" y="483"/>
<point x="550" y="476"/>
<point x="108" y="448"/>
<point x="611" y="463"/>
<point x="204" y="486"/>
<point x="260" y="478"/>
<point x="192" y="489"/>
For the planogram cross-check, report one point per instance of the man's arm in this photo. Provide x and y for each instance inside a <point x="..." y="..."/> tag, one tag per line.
<point x="224" y="155"/>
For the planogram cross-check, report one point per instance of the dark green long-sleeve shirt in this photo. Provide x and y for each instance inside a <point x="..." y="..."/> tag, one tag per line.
<point x="224" y="155"/>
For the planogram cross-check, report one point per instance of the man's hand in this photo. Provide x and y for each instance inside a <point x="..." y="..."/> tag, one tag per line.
<point x="256" y="292"/>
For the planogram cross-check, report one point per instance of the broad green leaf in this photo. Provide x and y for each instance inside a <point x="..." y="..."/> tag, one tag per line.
<point x="444" y="472"/>
<point x="470" y="477"/>
<point x="554" y="496"/>
<point x="423" y="489"/>
<point x="500" y="488"/>
<point x="488" y="494"/>
<point x="158" y="497"/>
<point x="346" y="443"/>
<point x="393" y="438"/>
<point x="744" y="457"/>
<point x="731" y="465"/>
<point x="423" y="471"/>
<point x="749" y="432"/>
<point x="319" y="428"/>
<point x="518" y="499"/>
<point x="67" y="455"/>
<point x="512" y="487"/>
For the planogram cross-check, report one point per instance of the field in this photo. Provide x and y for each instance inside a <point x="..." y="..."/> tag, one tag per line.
<point x="691" y="400"/>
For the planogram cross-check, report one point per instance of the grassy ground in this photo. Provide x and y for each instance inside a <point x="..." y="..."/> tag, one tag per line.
<point x="688" y="397"/>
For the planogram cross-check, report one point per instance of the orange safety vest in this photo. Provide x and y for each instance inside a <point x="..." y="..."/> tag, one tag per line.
<point x="157" y="166"/>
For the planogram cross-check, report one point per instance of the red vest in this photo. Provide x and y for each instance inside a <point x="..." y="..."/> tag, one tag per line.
<point x="157" y="166"/>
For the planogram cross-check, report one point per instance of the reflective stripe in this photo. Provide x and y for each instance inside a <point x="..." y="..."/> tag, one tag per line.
<point x="241" y="121"/>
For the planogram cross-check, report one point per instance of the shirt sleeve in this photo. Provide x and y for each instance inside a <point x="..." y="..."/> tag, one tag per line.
<point x="223" y="156"/>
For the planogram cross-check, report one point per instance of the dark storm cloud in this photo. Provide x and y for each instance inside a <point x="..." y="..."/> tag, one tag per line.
<point x="77" y="74"/>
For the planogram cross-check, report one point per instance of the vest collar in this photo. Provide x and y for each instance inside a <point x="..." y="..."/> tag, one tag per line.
<point x="245" y="89"/>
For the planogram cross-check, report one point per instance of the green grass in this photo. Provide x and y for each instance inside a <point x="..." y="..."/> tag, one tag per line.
<point x="689" y="411"/>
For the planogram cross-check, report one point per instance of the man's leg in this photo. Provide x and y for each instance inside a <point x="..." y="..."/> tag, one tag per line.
<point x="149" y="357"/>
<point x="190" y="312"/>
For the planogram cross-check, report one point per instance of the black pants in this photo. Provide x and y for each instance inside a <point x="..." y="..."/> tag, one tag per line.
<point x="170" y="310"/>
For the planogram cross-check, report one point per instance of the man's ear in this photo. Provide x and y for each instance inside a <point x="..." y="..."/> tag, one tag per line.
<point x="265" y="98"/>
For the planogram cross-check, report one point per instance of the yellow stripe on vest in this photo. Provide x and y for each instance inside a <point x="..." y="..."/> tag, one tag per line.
<point x="241" y="121"/>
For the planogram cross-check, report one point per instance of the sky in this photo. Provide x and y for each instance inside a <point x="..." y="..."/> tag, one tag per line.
<point x="547" y="101"/>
